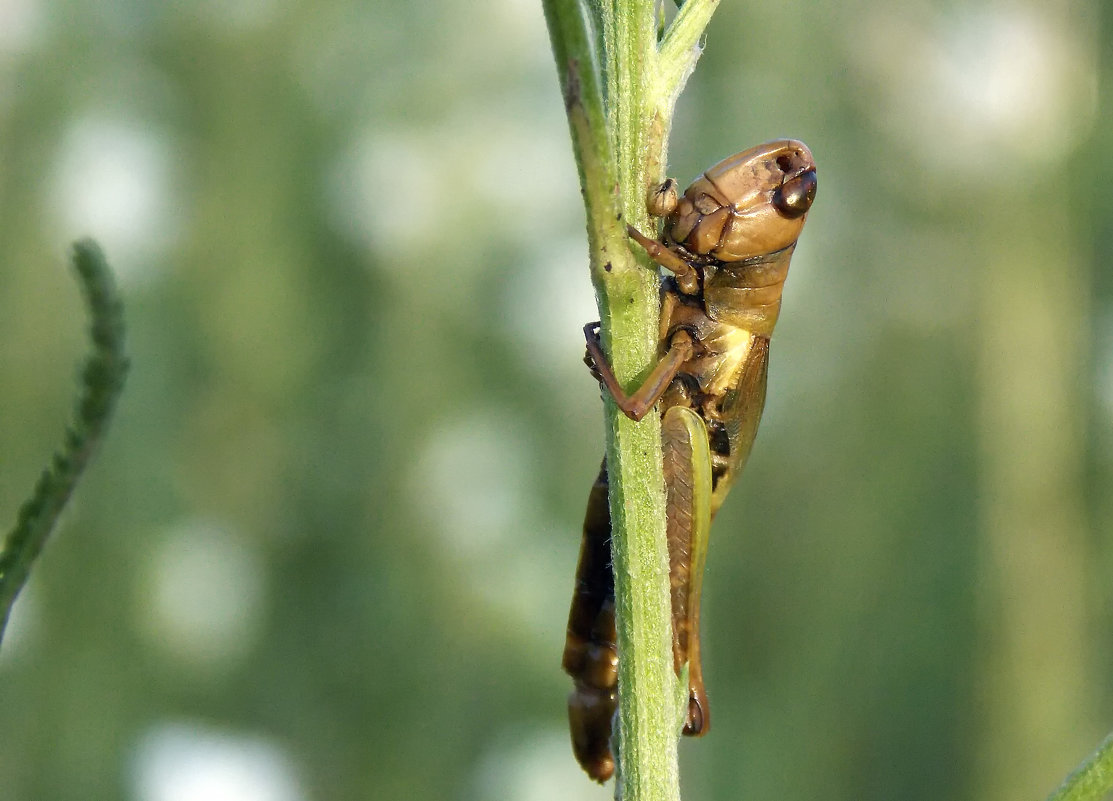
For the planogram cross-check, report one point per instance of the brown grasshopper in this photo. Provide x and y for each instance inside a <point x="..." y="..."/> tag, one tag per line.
<point x="727" y="243"/>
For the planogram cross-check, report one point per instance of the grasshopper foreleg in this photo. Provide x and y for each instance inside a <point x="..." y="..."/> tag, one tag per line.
<point x="638" y="404"/>
<point x="687" y="280"/>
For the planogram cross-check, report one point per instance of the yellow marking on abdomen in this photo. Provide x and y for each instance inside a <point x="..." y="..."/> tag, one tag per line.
<point x="728" y="347"/>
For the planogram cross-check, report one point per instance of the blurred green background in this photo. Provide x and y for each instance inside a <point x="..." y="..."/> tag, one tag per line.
<point x="327" y="549"/>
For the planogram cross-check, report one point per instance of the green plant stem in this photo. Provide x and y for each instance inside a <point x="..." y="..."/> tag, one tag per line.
<point x="102" y="381"/>
<point x="619" y="104"/>
<point x="647" y="734"/>
<point x="1092" y="780"/>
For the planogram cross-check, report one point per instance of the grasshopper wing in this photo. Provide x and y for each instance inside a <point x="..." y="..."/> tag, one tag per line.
<point x="688" y="484"/>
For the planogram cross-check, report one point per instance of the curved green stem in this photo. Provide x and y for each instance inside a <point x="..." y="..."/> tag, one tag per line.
<point x="102" y="381"/>
<point x="680" y="46"/>
<point x="1092" y="780"/>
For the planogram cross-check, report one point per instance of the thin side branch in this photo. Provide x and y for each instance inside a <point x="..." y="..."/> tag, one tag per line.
<point x="680" y="48"/>
<point x="1092" y="780"/>
<point x="102" y="381"/>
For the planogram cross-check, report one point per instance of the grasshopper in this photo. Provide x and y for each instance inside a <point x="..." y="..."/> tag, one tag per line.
<point x="727" y="243"/>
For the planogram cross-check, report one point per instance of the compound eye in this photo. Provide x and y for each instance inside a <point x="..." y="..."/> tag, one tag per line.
<point x="794" y="198"/>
